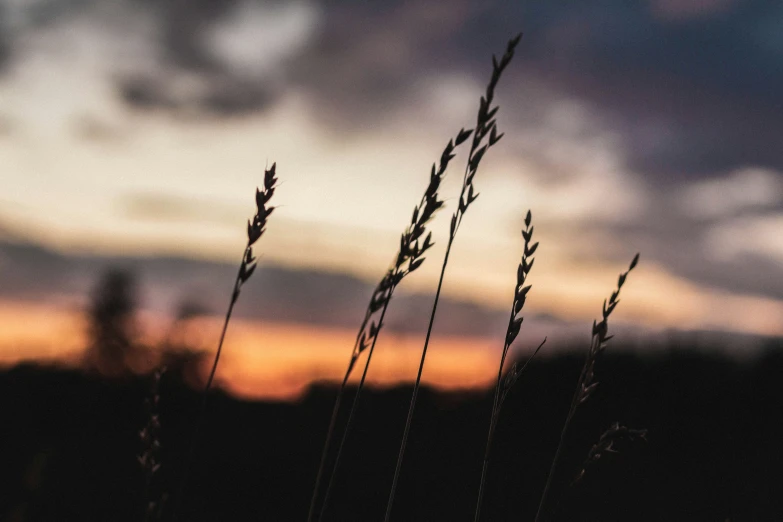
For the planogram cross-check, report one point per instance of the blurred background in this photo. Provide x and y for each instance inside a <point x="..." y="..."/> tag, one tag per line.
<point x="133" y="134"/>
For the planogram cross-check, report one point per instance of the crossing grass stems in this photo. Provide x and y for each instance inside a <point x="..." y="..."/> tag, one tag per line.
<point x="415" y="241"/>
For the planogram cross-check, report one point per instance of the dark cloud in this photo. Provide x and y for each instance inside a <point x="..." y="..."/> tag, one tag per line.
<point x="217" y="95"/>
<point x="5" y="51"/>
<point x="183" y="55"/>
<point x="693" y="88"/>
<point x="5" y="38"/>
<point x="692" y="96"/>
<point x="32" y="272"/>
<point x="369" y="57"/>
<point x="184" y="24"/>
<point x="239" y="97"/>
<point x="186" y="55"/>
<point x="144" y="93"/>
<point x="670" y="238"/>
<point x="678" y="250"/>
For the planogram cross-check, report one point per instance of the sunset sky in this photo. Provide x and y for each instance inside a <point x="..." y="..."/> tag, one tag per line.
<point x="139" y="129"/>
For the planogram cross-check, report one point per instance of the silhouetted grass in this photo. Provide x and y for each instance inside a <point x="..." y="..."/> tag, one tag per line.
<point x="502" y="387"/>
<point x="409" y="257"/>
<point x="415" y="241"/>
<point x="585" y="388"/>
<point x="70" y="440"/>
<point x="255" y="229"/>
<point x="484" y="137"/>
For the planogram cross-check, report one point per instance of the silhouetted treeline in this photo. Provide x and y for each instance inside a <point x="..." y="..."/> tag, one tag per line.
<point x="69" y="442"/>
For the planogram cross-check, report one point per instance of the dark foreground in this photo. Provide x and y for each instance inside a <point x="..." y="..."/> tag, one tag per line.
<point x="68" y="446"/>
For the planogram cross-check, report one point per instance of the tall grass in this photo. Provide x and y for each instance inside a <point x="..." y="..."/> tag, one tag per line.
<point x="502" y="387"/>
<point x="409" y="257"/>
<point x="255" y="229"/>
<point x="415" y="241"/>
<point x="585" y="388"/>
<point x="484" y="137"/>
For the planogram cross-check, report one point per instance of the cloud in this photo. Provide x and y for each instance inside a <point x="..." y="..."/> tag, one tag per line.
<point x="159" y="207"/>
<point x="196" y="94"/>
<point x="690" y="99"/>
<point x="758" y="236"/>
<point x="223" y="59"/>
<point x="253" y="40"/>
<point x="197" y="57"/>
<point x="371" y="59"/>
<point x="5" y="50"/>
<point x="277" y="294"/>
<point x="688" y="85"/>
<point x="576" y="164"/>
<point x="736" y="253"/>
<point x="241" y="56"/>
<point x="679" y="10"/>
<point x="743" y="190"/>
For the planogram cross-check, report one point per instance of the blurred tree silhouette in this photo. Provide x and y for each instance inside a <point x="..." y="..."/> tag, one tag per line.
<point x="112" y="323"/>
<point x="183" y="359"/>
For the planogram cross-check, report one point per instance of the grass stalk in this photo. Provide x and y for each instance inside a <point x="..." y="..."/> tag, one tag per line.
<point x="409" y="257"/>
<point x="349" y="422"/>
<point x="255" y="229"/>
<point x="390" y="503"/>
<point x="486" y="127"/>
<point x="606" y="444"/>
<point x="586" y="385"/>
<point x="327" y="444"/>
<point x="512" y="331"/>
<point x="149" y="458"/>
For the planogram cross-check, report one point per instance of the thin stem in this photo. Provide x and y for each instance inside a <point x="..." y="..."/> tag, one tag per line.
<point x="552" y="468"/>
<point x="416" y="386"/>
<point x="328" y="443"/>
<point x="514" y="324"/>
<point x="202" y="412"/>
<point x="410" y="253"/>
<point x="586" y="385"/>
<point x="333" y="422"/>
<point x="219" y="350"/>
<point x="492" y="424"/>
<point x="485" y="466"/>
<point x="558" y="452"/>
<point x="349" y="424"/>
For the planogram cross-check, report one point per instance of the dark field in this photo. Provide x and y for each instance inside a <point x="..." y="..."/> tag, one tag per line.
<point x="69" y="444"/>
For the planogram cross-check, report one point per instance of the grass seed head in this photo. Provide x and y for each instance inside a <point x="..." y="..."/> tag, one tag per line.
<point x="607" y="443"/>
<point x="256" y="226"/>
<point x="410" y="255"/>
<point x="600" y="338"/>
<point x="521" y="290"/>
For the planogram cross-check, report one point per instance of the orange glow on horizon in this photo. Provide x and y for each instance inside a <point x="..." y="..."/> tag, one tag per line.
<point x="39" y="332"/>
<point x="281" y="360"/>
<point x="275" y="361"/>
